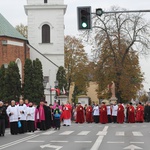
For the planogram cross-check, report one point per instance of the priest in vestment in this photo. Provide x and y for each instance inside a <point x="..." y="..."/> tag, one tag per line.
<point x="103" y="114"/>
<point x="131" y="114"/>
<point x="89" y="114"/>
<point x="66" y="115"/>
<point x="139" y="113"/>
<point x="120" y="113"/>
<point x="80" y="114"/>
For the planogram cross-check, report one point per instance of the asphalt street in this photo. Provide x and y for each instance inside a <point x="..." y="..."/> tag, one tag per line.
<point x="82" y="137"/>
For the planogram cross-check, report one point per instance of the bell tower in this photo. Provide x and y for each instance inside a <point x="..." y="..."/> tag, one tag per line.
<point x="46" y="35"/>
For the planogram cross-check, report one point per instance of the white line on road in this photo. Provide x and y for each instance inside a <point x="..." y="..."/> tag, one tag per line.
<point x="83" y="141"/>
<point x="137" y="134"/>
<point x="48" y="132"/>
<point x="18" y="141"/>
<point x="119" y="133"/>
<point x="66" y="133"/>
<point x="97" y="143"/>
<point x="59" y="141"/>
<point x="99" y="139"/>
<point x="109" y="142"/>
<point x="137" y="142"/>
<point x="84" y="133"/>
<point x="35" y="141"/>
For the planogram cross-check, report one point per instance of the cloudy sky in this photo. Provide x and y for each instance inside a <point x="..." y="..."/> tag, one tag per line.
<point x="13" y="11"/>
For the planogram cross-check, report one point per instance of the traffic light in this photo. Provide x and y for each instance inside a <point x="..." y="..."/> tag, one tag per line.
<point x="99" y="11"/>
<point x="84" y="17"/>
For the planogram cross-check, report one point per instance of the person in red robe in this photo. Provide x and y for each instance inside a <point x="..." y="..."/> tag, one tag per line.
<point x="89" y="116"/>
<point x="120" y="113"/>
<point x="139" y="113"/>
<point x="80" y="114"/>
<point x="103" y="114"/>
<point x="66" y="115"/>
<point x="131" y="114"/>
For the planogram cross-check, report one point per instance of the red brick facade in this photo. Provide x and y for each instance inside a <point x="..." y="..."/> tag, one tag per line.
<point x="10" y="52"/>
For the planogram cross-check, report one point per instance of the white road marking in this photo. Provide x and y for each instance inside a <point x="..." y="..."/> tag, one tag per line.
<point x="35" y="141"/>
<point x="137" y="142"/>
<point x="59" y="141"/>
<point x="110" y="142"/>
<point x="83" y="141"/>
<point x="66" y="133"/>
<point x="51" y="146"/>
<point x="101" y="133"/>
<point x="132" y="147"/>
<point x="119" y="133"/>
<point x="97" y="143"/>
<point x="18" y="141"/>
<point x="84" y="133"/>
<point x="99" y="139"/>
<point x="137" y="134"/>
<point x="48" y="132"/>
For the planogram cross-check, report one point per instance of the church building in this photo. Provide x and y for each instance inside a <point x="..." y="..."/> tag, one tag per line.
<point x="13" y="46"/>
<point x="46" y="38"/>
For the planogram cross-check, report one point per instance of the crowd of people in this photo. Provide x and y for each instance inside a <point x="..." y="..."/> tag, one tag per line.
<point x="25" y="116"/>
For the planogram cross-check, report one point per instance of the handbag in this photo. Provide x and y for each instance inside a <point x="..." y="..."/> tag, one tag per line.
<point x="19" y="124"/>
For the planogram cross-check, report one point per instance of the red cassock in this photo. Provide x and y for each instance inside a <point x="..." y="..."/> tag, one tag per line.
<point x="66" y="111"/>
<point x="89" y="116"/>
<point x="140" y="113"/>
<point x="80" y="114"/>
<point x="131" y="115"/>
<point x="120" y="114"/>
<point x="103" y="114"/>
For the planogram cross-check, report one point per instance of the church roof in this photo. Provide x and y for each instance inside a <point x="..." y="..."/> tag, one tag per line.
<point x="6" y="29"/>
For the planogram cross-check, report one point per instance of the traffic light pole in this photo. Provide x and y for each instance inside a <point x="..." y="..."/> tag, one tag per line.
<point x="99" y="11"/>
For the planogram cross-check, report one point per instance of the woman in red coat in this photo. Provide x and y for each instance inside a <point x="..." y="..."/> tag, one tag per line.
<point x="89" y="116"/>
<point x="139" y="113"/>
<point x="120" y="113"/>
<point x="103" y="114"/>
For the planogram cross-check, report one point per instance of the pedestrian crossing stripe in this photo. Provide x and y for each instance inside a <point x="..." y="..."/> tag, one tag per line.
<point x="84" y="133"/>
<point x="119" y="133"/>
<point x="66" y="133"/>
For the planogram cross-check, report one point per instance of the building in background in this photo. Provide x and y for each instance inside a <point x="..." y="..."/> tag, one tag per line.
<point x="46" y="37"/>
<point x="13" y="46"/>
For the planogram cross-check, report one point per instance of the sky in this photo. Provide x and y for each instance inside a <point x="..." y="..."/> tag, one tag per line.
<point x="13" y="11"/>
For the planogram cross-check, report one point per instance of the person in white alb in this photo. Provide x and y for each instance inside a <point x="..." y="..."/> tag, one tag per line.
<point x="109" y="113"/>
<point x="13" y="114"/>
<point x="22" y="116"/>
<point x="96" y="113"/>
<point x="114" y="112"/>
<point x="30" y="117"/>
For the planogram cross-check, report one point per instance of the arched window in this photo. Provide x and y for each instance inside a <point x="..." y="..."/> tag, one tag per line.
<point x="45" y="33"/>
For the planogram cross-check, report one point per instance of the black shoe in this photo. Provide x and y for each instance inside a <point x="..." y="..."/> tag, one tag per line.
<point x="64" y="125"/>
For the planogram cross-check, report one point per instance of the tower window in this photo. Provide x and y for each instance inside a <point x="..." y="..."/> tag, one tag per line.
<point x="45" y="33"/>
<point x="45" y="1"/>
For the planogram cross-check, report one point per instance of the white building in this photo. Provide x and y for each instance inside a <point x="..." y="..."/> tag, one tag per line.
<point x="46" y="34"/>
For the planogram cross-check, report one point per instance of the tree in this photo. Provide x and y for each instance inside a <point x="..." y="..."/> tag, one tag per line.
<point x="118" y="36"/>
<point x="22" y="29"/>
<point x="75" y="63"/>
<point x="61" y="78"/>
<point x="12" y="83"/>
<point x="2" y="82"/>
<point x="28" y="80"/>
<point x="37" y="81"/>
